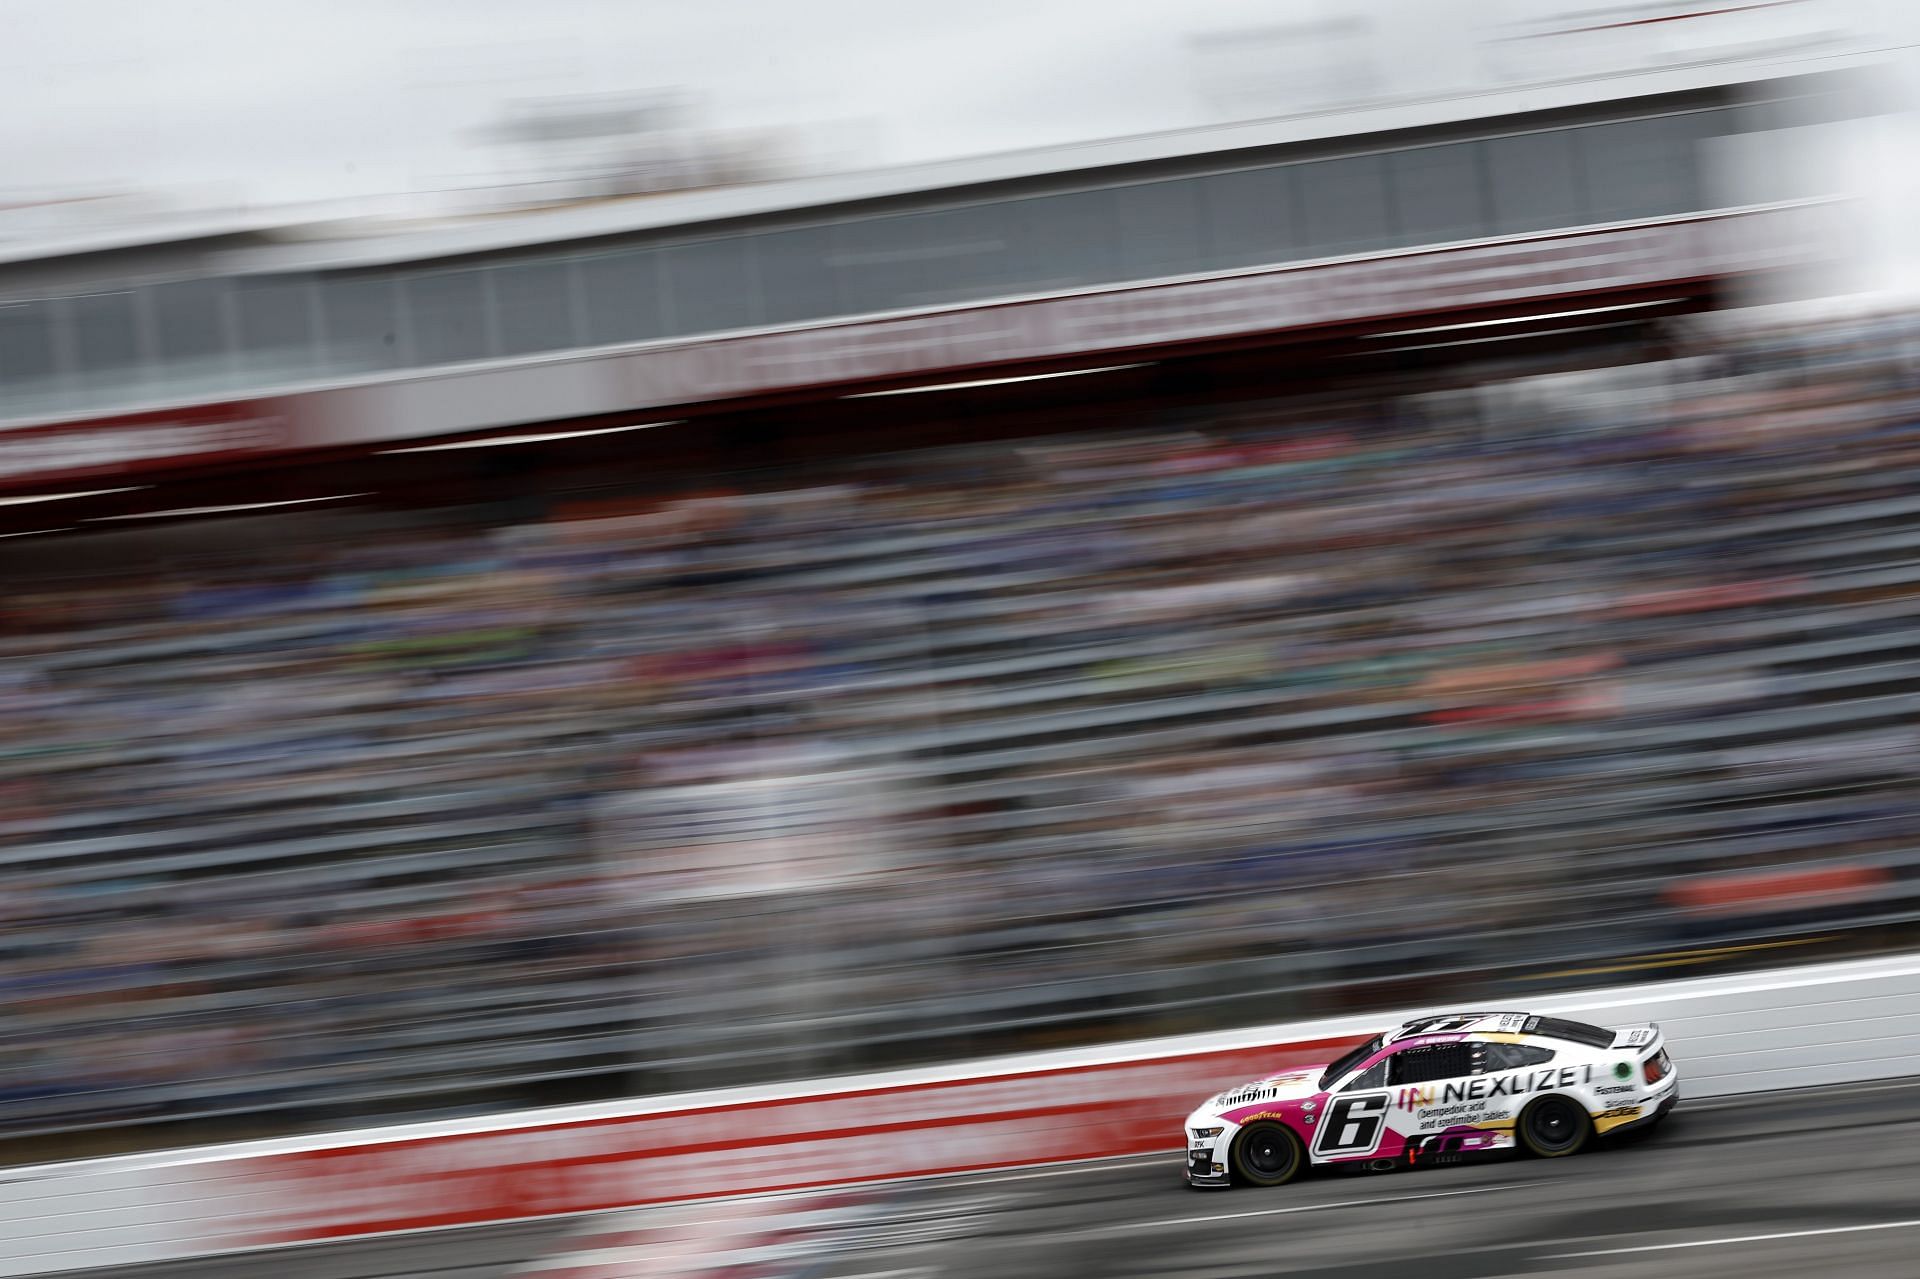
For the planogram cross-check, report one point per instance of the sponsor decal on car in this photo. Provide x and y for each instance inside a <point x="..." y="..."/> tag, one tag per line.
<point x="1611" y="1118"/>
<point x="1517" y="1084"/>
<point x="1459" y="1113"/>
<point x="1458" y="1140"/>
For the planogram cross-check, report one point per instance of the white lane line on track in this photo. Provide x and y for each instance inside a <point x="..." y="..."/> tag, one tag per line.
<point x="1171" y="1158"/>
<point x="1734" y="1239"/>
<point x="1276" y="1212"/>
<point x="1078" y="1168"/>
<point x="1828" y="1090"/>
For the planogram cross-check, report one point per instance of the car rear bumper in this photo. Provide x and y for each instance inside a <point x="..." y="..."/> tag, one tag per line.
<point x="1646" y="1121"/>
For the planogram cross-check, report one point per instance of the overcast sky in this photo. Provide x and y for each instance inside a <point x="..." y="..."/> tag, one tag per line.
<point x="272" y="101"/>
<point x="297" y="99"/>
<point x="275" y="100"/>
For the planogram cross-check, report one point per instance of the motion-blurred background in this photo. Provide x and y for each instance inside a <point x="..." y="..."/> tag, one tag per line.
<point x="581" y="555"/>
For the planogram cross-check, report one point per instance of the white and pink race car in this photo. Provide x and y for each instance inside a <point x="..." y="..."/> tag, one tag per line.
<point x="1433" y="1091"/>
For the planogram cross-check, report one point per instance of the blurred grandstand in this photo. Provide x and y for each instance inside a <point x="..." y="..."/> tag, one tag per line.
<point x="1460" y="658"/>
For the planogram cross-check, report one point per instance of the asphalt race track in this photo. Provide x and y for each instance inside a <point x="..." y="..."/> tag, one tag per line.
<point x="1792" y="1184"/>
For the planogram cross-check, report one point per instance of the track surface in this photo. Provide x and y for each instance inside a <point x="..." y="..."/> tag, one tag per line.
<point x="1791" y="1184"/>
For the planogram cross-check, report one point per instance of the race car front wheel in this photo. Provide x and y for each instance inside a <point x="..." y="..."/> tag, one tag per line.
<point x="1555" y="1126"/>
<point x="1268" y="1154"/>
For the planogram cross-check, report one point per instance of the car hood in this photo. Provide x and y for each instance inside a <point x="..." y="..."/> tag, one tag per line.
<point x="1287" y="1085"/>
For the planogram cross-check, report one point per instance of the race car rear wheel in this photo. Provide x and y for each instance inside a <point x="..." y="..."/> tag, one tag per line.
<point x="1268" y="1154"/>
<point x="1555" y="1126"/>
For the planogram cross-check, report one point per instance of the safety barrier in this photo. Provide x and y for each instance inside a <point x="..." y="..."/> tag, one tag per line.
<point x="1823" y="1024"/>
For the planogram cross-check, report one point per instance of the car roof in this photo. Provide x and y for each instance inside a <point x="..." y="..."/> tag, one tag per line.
<point x="1458" y="1024"/>
<point x="1502" y="1023"/>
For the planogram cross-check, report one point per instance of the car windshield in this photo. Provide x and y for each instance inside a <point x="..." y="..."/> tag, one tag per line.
<point x="1348" y="1061"/>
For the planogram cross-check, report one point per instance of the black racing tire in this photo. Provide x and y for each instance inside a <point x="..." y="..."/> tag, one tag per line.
<point x="1555" y="1127"/>
<point x="1268" y="1154"/>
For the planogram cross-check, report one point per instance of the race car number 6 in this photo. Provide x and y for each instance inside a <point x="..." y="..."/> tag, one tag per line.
<point x="1353" y="1125"/>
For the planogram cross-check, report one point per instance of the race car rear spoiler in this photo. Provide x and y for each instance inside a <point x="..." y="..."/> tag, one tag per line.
<point x="1637" y="1036"/>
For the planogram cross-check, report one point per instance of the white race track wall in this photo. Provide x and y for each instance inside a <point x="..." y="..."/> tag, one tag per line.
<point x="1821" y="1024"/>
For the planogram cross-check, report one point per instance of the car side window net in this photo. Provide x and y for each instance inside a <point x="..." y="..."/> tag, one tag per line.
<point x="1437" y="1061"/>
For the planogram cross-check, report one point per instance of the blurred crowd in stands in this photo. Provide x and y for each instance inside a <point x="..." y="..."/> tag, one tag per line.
<point x="1264" y="713"/>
